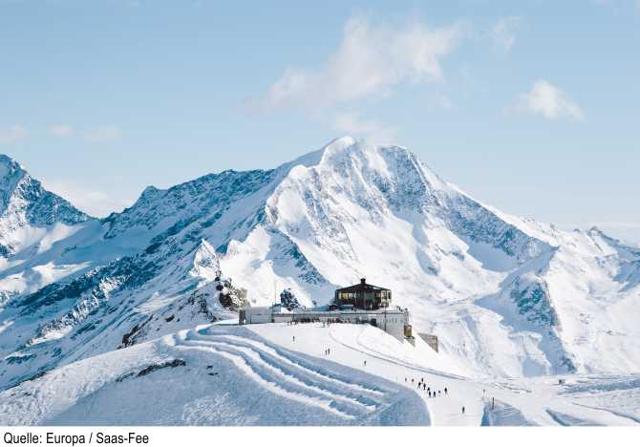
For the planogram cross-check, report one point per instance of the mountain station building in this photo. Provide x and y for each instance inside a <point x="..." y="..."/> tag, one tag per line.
<point x="363" y="296"/>
<point x="358" y="304"/>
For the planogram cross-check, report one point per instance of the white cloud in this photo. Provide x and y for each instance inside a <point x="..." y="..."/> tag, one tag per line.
<point x="503" y="33"/>
<point x="61" y="130"/>
<point x="102" y="134"/>
<point x="91" y="201"/>
<point x="370" y="60"/>
<point x="352" y="123"/>
<point x="13" y="134"/>
<point x="549" y="101"/>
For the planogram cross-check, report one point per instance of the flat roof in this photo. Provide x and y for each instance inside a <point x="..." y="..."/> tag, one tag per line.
<point x="344" y="312"/>
<point x="362" y="287"/>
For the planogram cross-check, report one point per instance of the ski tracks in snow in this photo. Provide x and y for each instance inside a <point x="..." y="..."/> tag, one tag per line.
<point x="291" y="376"/>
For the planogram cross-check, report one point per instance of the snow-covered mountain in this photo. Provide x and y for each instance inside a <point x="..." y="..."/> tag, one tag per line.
<point x="506" y="296"/>
<point x="31" y="221"/>
<point x="26" y="206"/>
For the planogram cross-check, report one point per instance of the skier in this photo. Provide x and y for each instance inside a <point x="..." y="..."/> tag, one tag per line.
<point x="445" y="390"/>
<point x="424" y="386"/>
<point x="462" y="410"/>
<point x="294" y="338"/>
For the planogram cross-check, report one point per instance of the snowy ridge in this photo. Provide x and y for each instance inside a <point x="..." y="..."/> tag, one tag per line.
<point x="27" y="210"/>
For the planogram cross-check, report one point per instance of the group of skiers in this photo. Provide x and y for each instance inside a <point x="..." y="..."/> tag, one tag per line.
<point x="297" y="322"/>
<point x="421" y="384"/>
<point x="431" y="393"/>
<point x="325" y="323"/>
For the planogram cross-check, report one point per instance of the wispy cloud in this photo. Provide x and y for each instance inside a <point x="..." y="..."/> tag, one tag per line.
<point x="61" y="130"/>
<point x="548" y="101"/>
<point x="13" y="134"/>
<point x="102" y="134"/>
<point x="503" y="33"/>
<point x="353" y="124"/>
<point x="370" y="60"/>
<point x="620" y="6"/>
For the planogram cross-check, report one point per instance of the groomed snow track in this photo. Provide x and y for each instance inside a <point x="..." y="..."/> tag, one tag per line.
<point x="352" y="396"/>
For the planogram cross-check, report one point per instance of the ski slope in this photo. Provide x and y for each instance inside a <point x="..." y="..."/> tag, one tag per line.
<point x="211" y="375"/>
<point x="281" y="374"/>
<point x="518" y="401"/>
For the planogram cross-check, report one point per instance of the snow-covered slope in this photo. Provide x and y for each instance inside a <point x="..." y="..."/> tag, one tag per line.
<point x="33" y="222"/>
<point x="210" y="376"/>
<point x="509" y="296"/>
<point x="506" y="296"/>
<point x="306" y="374"/>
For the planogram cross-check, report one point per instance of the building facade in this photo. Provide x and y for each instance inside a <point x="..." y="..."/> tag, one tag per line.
<point x="393" y="321"/>
<point x="359" y="304"/>
<point x="363" y="296"/>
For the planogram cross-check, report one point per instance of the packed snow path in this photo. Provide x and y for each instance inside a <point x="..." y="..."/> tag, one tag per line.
<point x="537" y="401"/>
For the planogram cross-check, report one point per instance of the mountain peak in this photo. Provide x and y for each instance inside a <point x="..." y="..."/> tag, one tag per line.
<point x="348" y="154"/>
<point x="344" y="146"/>
<point x="10" y="172"/>
<point x="25" y="203"/>
<point x="340" y="143"/>
<point x="595" y="230"/>
<point x="205" y="262"/>
<point x="6" y="160"/>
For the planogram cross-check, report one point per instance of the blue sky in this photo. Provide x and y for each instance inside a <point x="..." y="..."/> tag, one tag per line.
<point x="532" y="107"/>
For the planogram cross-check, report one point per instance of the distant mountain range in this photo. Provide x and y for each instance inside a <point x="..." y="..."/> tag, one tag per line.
<point x="506" y="296"/>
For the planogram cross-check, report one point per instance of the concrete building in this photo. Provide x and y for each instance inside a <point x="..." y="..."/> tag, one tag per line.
<point x="256" y="315"/>
<point x="359" y="304"/>
<point x="392" y="321"/>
